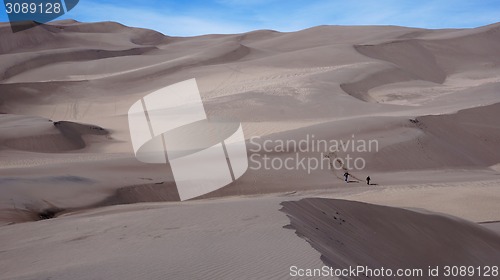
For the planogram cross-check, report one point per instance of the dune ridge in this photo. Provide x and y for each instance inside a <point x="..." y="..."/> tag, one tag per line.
<point x="48" y="136"/>
<point x="71" y="56"/>
<point x="411" y="89"/>
<point x="426" y="59"/>
<point x="349" y="233"/>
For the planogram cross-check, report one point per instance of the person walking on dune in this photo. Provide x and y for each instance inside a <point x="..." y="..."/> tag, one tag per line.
<point x="368" y="180"/>
<point x="346" y="177"/>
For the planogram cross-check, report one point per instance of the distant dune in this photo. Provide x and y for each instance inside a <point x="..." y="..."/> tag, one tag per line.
<point x="430" y="98"/>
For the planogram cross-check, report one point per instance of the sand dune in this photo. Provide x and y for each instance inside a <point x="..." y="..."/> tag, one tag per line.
<point x="238" y="237"/>
<point x="61" y="36"/>
<point x="61" y="57"/>
<point x="470" y="139"/>
<point x="429" y="97"/>
<point x="279" y="85"/>
<point x="427" y="59"/>
<point x="44" y="136"/>
<point x="351" y="233"/>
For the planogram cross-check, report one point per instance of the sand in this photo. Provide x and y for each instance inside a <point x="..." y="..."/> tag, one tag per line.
<point x="247" y="237"/>
<point x="429" y="97"/>
<point x="351" y="234"/>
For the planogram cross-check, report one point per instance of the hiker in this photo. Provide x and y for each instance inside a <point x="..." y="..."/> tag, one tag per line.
<point x="368" y="180"/>
<point x="346" y="177"/>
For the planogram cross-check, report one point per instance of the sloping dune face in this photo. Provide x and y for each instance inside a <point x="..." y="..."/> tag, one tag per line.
<point x="431" y="58"/>
<point x="349" y="233"/>
<point x="43" y="136"/>
<point x="468" y="138"/>
<point x="66" y="88"/>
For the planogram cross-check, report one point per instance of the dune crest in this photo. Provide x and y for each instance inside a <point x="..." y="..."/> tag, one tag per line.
<point x="410" y="89"/>
<point x="349" y="233"/>
<point x="45" y="136"/>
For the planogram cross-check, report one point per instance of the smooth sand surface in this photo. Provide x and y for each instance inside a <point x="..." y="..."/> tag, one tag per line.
<point x="429" y="97"/>
<point x="494" y="226"/>
<point x="249" y="238"/>
<point x="349" y="233"/>
<point x="239" y="239"/>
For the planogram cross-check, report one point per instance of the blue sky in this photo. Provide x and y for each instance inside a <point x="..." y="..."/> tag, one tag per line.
<point x="185" y="18"/>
